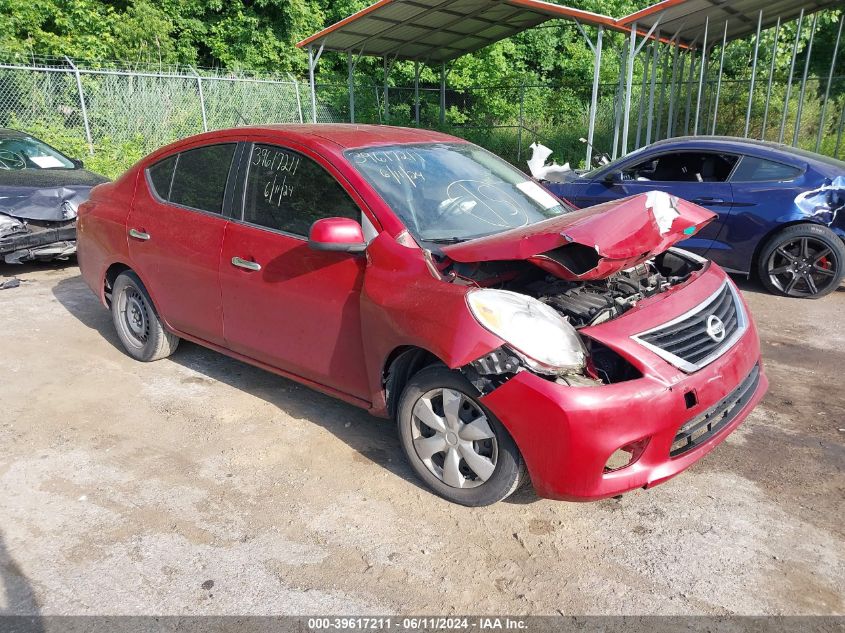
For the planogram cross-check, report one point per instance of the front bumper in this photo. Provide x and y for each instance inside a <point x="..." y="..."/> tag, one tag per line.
<point x="39" y="243"/>
<point x="567" y="434"/>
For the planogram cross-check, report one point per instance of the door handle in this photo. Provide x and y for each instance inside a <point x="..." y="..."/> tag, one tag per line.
<point x="139" y="235"/>
<point x="245" y="263"/>
<point x="706" y="201"/>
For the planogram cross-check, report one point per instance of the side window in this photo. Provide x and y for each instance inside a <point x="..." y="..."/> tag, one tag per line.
<point x="288" y="192"/>
<point x="753" y="169"/>
<point x="199" y="180"/>
<point x="684" y="167"/>
<point x="161" y="175"/>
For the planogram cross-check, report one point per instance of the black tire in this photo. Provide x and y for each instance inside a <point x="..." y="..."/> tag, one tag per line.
<point x="508" y="471"/>
<point x="139" y="329"/>
<point x="805" y="261"/>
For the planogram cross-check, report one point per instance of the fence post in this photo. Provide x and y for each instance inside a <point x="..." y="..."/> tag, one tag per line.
<point x="298" y="100"/>
<point x="521" y="120"/>
<point x="202" y="98"/>
<point x="82" y="106"/>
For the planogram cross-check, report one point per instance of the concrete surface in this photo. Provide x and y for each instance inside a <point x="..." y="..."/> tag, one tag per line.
<point x="199" y="484"/>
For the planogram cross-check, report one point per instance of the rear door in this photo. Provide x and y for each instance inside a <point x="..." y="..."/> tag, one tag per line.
<point x="698" y="176"/>
<point x="175" y="232"/>
<point x="285" y="304"/>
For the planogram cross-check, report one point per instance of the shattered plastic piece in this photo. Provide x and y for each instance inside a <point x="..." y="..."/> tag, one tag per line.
<point x="14" y="282"/>
<point x="550" y="173"/>
<point x="663" y="206"/>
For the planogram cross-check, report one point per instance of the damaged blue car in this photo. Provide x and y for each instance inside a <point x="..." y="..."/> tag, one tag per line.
<point x="781" y="210"/>
<point x="40" y="190"/>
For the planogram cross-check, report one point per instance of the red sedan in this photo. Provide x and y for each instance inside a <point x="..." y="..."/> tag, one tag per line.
<point x="422" y="278"/>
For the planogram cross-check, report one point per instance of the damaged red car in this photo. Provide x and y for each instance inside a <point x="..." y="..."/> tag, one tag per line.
<point x="422" y="278"/>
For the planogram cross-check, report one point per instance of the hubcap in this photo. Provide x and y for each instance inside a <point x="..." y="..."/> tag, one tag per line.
<point x="134" y="320"/>
<point x="453" y="438"/>
<point x="802" y="267"/>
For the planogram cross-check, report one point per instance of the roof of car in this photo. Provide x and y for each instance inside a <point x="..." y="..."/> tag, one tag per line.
<point x="349" y="135"/>
<point x="751" y="143"/>
<point x="6" y="132"/>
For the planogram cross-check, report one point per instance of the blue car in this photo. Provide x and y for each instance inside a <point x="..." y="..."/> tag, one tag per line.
<point x="781" y="210"/>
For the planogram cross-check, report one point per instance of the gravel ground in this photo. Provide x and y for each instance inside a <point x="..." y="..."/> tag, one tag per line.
<point x="201" y="485"/>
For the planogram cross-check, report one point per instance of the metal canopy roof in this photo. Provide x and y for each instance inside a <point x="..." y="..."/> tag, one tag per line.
<point x="689" y="16"/>
<point x="440" y="30"/>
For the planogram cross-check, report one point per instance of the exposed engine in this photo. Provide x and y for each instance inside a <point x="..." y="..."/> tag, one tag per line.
<point x="591" y="303"/>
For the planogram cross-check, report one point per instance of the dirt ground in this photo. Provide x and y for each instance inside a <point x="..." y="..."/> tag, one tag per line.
<point x="201" y="485"/>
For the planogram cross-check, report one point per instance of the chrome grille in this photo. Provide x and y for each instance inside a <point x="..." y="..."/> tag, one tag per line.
<point x="703" y="334"/>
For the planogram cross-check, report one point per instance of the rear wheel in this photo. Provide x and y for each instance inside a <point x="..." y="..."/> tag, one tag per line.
<point x="138" y="327"/>
<point x="455" y="445"/>
<point x="805" y="261"/>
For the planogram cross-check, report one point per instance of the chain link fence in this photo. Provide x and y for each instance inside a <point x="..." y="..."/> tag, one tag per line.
<point x="115" y="116"/>
<point x="92" y="111"/>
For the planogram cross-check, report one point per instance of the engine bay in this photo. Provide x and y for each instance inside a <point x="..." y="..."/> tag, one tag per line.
<point x="586" y="303"/>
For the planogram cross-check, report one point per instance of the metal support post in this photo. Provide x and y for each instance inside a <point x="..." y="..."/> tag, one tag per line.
<point x="83" y="107"/>
<point x="417" y="92"/>
<point x="443" y="94"/>
<point x="350" y="83"/>
<point x="753" y="75"/>
<point x="719" y="82"/>
<point x="704" y="53"/>
<point x="688" y="111"/>
<point x="804" y="82"/>
<point x="829" y="81"/>
<point x="641" y="106"/>
<point x="629" y="82"/>
<point x="771" y="76"/>
<point x="597" y="51"/>
<point x="617" y="106"/>
<point x="670" y="120"/>
<point x="312" y="66"/>
<point x="655" y="59"/>
<point x="789" y="81"/>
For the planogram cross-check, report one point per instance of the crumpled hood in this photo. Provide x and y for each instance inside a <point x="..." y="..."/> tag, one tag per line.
<point x="41" y="194"/>
<point x="593" y="243"/>
<point x="50" y="204"/>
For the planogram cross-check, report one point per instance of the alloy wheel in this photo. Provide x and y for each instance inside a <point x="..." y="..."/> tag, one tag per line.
<point x="802" y="267"/>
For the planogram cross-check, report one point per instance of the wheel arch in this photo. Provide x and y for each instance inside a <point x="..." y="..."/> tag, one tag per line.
<point x="109" y="278"/>
<point x="398" y="368"/>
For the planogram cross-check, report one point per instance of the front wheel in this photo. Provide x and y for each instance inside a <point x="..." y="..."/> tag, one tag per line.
<point x="456" y="446"/>
<point x="805" y="261"/>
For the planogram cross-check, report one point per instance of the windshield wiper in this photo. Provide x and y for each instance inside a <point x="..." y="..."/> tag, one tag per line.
<point x="445" y="240"/>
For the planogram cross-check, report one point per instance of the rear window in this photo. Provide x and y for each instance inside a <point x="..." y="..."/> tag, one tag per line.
<point x="753" y="169"/>
<point x="195" y="178"/>
<point x="161" y="175"/>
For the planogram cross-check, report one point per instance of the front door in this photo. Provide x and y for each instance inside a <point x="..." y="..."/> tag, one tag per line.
<point x="284" y="304"/>
<point x="176" y="230"/>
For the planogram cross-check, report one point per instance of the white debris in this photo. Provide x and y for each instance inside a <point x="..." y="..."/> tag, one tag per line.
<point x="664" y="208"/>
<point x="541" y="171"/>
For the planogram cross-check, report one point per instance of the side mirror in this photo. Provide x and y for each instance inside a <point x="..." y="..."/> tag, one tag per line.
<point x="613" y="177"/>
<point x="341" y="235"/>
<point x="77" y="162"/>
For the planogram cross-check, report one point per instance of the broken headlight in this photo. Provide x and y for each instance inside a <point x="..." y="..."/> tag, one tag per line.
<point x="10" y="225"/>
<point x="543" y="338"/>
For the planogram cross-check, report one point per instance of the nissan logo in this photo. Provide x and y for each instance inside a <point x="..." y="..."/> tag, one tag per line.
<point x="716" y="328"/>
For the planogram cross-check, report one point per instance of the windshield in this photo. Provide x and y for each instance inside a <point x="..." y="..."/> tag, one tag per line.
<point x="29" y="153"/>
<point x="451" y="192"/>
